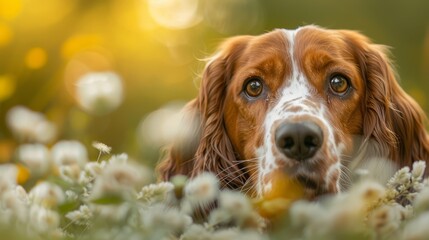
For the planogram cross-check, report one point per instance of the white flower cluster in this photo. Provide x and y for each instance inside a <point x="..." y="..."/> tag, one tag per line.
<point x="116" y="199"/>
<point x="31" y="213"/>
<point x="67" y="156"/>
<point x="29" y="126"/>
<point x="368" y="211"/>
<point x="68" y="196"/>
<point x="112" y="206"/>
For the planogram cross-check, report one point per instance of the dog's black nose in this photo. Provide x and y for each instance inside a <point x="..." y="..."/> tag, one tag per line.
<point x="299" y="141"/>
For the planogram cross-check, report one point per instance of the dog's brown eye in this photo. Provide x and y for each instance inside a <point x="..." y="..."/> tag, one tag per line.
<point x="253" y="87"/>
<point x="339" y="84"/>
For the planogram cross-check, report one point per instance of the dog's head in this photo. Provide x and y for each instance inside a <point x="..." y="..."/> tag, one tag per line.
<point x="300" y="102"/>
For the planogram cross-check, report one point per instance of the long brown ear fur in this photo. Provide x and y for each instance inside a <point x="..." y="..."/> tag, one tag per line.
<point x="210" y="149"/>
<point x="179" y="156"/>
<point x="391" y="117"/>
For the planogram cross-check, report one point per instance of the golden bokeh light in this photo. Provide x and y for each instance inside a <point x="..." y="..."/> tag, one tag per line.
<point x="80" y="43"/>
<point x="7" y="87"/>
<point x="36" y="58"/>
<point x="6" y="35"/>
<point x="37" y="15"/>
<point x="175" y="14"/>
<point x="10" y="9"/>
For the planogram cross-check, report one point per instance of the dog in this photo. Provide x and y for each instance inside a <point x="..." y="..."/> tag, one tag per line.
<point x="308" y="102"/>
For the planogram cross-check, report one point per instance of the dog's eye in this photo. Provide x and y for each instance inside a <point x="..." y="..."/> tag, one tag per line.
<point x="339" y="84"/>
<point x="253" y="87"/>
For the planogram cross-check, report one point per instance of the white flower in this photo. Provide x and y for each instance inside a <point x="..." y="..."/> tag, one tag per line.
<point x="71" y="196"/>
<point x="45" y="132"/>
<point x="218" y="217"/>
<point x="368" y="192"/>
<point x="99" y="92"/>
<point x="94" y="169"/>
<point x="111" y="212"/>
<point x="155" y="192"/>
<point x="21" y="194"/>
<point x="70" y="173"/>
<point x="91" y="171"/>
<point x="43" y="220"/>
<point x="386" y="219"/>
<point x="163" y="217"/>
<point x="8" y="175"/>
<point x="81" y="216"/>
<point x="229" y="233"/>
<point x="31" y="126"/>
<point x="196" y="232"/>
<point x="47" y="194"/>
<point x="417" y="229"/>
<point x="237" y="234"/>
<point x="118" y="159"/>
<point x="421" y="202"/>
<point x="202" y="189"/>
<point x="36" y="157"/>
<point x="303" y="213"/>
<point x="120" y="179"/>
<point x="16" y="200"/>
<point x="69" y="153"/>
<point x="236" y="204"/>
<point x="418" y="169"/>
<point x="103" y="148"/>
<point x="401" y="177"/>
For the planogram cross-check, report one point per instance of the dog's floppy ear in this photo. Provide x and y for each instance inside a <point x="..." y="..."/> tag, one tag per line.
<point x="210" y="149"/>
<point x="180" y="155"/>
<point x="391" y="117"/>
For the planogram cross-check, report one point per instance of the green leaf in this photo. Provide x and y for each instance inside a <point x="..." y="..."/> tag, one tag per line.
<point x="68" y="207"/>
<point x="110" y="199"/>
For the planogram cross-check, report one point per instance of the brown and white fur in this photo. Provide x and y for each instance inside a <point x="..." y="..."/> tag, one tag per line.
<point x="235" y="135"/>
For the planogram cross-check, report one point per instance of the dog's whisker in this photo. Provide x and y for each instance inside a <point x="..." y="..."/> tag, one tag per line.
<point x="249" y="184"/>
<point x="235" y="168"/>
<point x="241" y="175"/>
<point x="236" y="164"/>
<point x="346" y="179"/>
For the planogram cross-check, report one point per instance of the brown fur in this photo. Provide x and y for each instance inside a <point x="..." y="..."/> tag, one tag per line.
<point x="211" y="150"/>
<point x="391" y="117"/>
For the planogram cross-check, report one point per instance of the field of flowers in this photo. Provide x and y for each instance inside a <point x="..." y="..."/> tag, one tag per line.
<point x="76" y="72"/>
<point x="60" y="192"/>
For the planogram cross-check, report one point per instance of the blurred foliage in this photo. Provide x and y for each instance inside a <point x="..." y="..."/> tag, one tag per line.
<point x="155" y="46"/>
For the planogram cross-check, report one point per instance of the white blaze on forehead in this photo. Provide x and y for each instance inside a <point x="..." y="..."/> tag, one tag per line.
<point x="296" y="92"/>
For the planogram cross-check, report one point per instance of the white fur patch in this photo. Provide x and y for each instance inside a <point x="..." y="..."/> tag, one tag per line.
<point x="297" y="93"/>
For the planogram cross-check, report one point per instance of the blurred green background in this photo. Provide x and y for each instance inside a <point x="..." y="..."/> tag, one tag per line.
<point x="155" y="46"/>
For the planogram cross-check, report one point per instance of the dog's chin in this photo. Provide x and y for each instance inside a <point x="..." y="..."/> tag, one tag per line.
<point x="295" y="184"/>
<point x="314" y="189"/>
